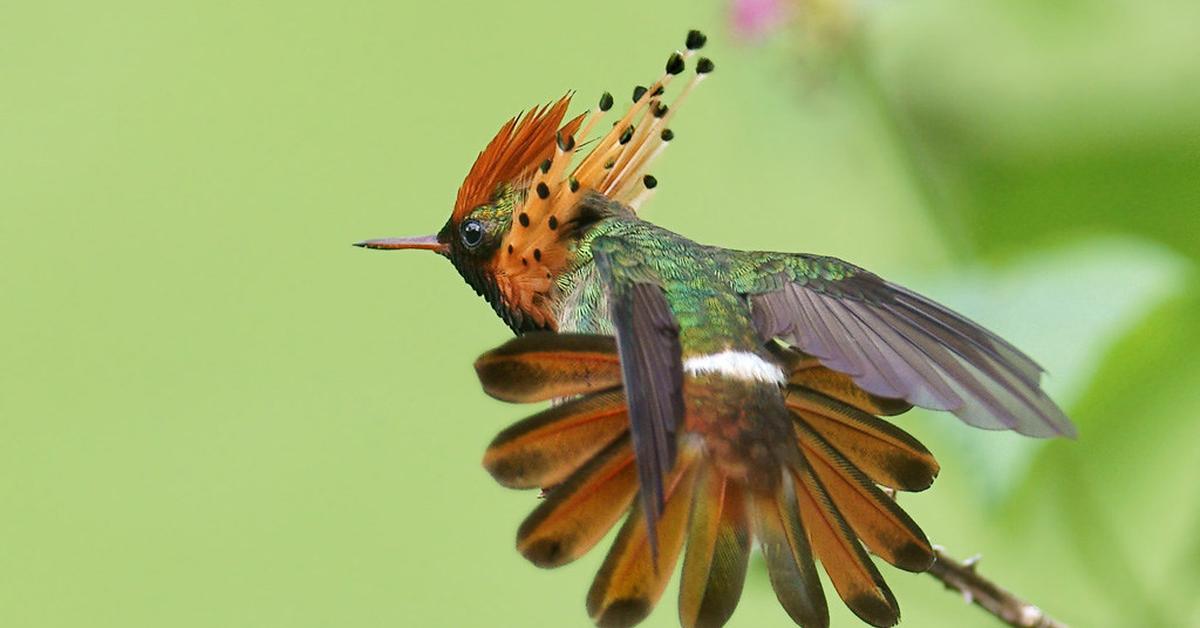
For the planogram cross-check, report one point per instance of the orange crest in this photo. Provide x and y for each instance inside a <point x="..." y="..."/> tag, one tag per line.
<point x="534" y="252"/>
<point x="522" y="143"/>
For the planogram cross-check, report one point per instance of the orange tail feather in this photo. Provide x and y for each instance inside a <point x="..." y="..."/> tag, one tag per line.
<point x="543" y="366"/>
<point x="718" y="549"/>
<point x="885" y="453"/>
<point x="851" y="571"/>
<point x="790" y="560"/>
<point x="873" y="516"/>
<point x="580" y="511"/>
<point x="630" y="582"/>
<point x="544" y="449"/>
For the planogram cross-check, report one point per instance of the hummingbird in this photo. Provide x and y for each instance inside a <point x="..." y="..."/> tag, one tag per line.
<point x="711" y="397"/>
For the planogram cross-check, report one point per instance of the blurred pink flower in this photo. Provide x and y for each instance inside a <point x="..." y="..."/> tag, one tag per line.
<point x="754" y="19"/>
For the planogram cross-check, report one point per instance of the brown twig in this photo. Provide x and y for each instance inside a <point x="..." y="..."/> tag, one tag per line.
<point x="1008" y="608"/>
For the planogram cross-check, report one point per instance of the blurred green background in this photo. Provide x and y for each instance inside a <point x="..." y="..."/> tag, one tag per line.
<point x="215" y="412"/>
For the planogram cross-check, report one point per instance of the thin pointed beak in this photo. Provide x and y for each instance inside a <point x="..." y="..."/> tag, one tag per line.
<point x="428" y="243"/>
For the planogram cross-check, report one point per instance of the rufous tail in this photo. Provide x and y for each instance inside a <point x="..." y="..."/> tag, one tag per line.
<point x="827" y="505"/>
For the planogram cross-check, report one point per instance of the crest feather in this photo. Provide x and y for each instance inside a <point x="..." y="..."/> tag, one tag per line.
<point x="522" y="143"/>
<point x="534" y="251"/>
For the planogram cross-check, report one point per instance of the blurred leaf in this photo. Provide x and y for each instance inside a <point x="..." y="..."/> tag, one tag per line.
<point x="1133" y="480"/>
<point x="1187" y="564"/>
<point x="1066" y="306"/>
<point x="1148" y="187"/>
<point x="1034" y="123"/>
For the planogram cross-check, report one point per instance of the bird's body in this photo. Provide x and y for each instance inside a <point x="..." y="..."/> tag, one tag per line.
<point x="725" y="365"/>
<point x="713" y="395"/>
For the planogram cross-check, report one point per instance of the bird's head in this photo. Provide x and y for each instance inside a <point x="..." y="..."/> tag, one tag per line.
<point x="511" y="231"/>
<point x="483" y="212"/>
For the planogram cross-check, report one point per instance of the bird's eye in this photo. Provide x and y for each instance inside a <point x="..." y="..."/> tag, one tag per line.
<point x="472" y="233"/>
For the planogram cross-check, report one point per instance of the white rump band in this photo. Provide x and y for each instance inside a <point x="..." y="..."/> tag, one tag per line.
<point x="736" y="364"/>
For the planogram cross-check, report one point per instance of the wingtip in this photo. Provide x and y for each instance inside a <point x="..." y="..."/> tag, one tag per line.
<point x="1068" y="430"/>
<point x="1053" y="424"/>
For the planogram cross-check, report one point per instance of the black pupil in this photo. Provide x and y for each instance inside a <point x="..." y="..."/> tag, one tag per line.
<point x="472" y="232"/>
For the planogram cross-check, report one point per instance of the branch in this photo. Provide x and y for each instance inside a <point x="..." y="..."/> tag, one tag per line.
<point x="989" y="596"/>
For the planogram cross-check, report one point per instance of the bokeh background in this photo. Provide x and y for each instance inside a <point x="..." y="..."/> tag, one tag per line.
<point x="215" y="412"/>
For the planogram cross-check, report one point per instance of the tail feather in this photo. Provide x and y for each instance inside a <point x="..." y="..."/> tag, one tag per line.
<point x="851" y="571"/>
<point x="885" y="453"/>
<point x="873" y="516"/>
<point x="825" y="506"/>
<point x="718" y="549"/>
<point x="807" y="372"/>
<point x="631" y="581"/>
<point x="544" y="449"/>
<point x="789" y="556"/>
<point x="580" y="511"/>
<point x="543" y="366"/>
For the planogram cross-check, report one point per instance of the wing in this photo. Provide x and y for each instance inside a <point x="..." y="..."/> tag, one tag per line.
<point x="895" y="343"/>
<point x="651" y="367"/>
